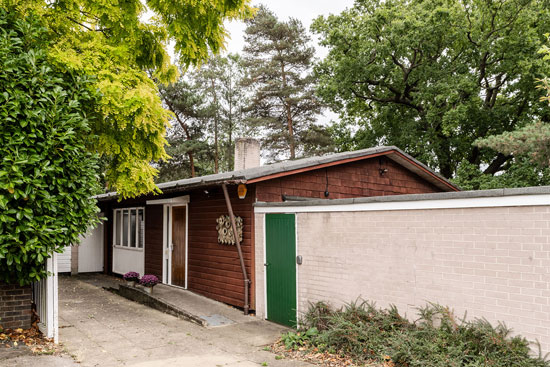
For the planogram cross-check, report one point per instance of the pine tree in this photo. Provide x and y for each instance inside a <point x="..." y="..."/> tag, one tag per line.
<point x="221" y="78"/>
<point x="191" y="113"/>
<point x="283" y="107"/>
<point x="207" y="108"/>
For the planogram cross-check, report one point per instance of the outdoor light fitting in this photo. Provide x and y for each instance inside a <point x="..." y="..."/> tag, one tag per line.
<point x="241" y="191"/>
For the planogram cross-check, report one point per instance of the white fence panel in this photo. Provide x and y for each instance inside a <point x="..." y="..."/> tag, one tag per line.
<point x="45" y="293"/>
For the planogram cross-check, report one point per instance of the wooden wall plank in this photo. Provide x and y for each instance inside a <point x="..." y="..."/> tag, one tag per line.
<point x="214" y="269"/>
<point x="355" y="179"/>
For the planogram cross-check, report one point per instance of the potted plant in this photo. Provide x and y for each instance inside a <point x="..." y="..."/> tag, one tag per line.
<point x="148" y="281"/>
<point x="131" y="278"/>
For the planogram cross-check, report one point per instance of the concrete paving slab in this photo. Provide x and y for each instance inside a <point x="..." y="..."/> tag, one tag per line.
<point x="217" y="320"/>
<point x="39" y="361"/>
<point x="199" y="305"/>
<point x="184" y="304"/>
<point x="125" y="333"/>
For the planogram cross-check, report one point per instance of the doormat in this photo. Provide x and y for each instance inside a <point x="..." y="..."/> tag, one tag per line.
<point x="217" y="320"/>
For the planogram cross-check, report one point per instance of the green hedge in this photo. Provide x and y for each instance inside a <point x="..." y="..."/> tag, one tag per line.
<point x="47" y="174"/>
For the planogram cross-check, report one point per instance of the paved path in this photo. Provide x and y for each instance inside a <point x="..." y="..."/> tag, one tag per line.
<point x="99" y="328"/>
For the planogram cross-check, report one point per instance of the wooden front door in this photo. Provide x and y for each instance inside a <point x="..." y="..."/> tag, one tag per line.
<point x="280" y="235"/>
<point x="178" y="245"/>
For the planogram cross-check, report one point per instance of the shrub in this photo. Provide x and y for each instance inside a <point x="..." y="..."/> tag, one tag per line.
<point x="294" y="340"/>
<point x="149" y="280"/>
<point x="364" y="332"/>
<point x="131" y="276"/>
<point x="47" y="174"/>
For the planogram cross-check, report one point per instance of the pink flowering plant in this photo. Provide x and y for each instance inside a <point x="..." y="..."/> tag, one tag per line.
<point x="149" y="280"/>
<point x="131" y="276"/>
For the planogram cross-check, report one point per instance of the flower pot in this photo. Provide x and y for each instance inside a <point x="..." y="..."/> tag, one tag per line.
<point x="148" y="289"/>
<point x="131" y="283"/>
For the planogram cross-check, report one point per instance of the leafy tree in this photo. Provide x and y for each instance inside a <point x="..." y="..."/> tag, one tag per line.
<point x="47" y="172"/>
<point x="532" y="140"/>
<point x="520" y="172"/>
<point x="433" y="76"/>
<point x="76" y="83"/>
<point x="278" y="57"/>
<point x="111" y="41"/>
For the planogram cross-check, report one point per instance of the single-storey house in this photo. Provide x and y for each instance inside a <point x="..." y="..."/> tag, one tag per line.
<point x="184" y="235"/>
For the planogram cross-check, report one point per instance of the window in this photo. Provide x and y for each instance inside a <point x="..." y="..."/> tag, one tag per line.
<point x="129" y="227"/>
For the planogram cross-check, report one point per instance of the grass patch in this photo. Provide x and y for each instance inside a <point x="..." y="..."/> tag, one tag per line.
<point x="365" y="333"/>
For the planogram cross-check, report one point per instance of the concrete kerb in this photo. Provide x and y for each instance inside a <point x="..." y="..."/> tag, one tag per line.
<point x="137" y="295"/>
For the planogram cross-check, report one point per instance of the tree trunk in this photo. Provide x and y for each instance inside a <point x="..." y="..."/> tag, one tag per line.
<point x="496" y="164"/>
<point x="189" y="153"/>
<point x="444" y="159"/>
<point x="230" y="132"/>
<point x="216" y="149"/>
<point x="187" y="135"/>
<point x="289" y="121"/>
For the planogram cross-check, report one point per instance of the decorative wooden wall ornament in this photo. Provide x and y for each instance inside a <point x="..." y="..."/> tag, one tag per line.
<point x="225" y="233"/>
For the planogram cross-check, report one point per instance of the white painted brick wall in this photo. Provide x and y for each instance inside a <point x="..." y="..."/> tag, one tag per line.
<point x="491" y="262"/>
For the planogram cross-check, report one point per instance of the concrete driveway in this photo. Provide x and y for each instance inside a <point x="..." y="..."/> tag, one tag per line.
<point x="99" y="328"/>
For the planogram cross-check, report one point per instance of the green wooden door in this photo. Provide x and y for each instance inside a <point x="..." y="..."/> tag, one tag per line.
<point x="280" y="233"/>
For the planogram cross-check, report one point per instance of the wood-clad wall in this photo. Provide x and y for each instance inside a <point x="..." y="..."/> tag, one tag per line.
<point x="153" y="240"/>
<point x="355" y="179"/>
<point x="214" y="269"/>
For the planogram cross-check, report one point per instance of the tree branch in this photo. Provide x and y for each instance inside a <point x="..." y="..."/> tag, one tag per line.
<point x="497" y="163"/>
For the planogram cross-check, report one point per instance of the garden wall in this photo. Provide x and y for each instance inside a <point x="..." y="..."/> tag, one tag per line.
<point x="15" y="306"/>
<point x="486" y="253"/>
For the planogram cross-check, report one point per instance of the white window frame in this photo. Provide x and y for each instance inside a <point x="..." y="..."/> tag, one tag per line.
<point x="140" y="230"/>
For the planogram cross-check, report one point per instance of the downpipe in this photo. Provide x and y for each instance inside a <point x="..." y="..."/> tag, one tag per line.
<point x="239" y="250"/>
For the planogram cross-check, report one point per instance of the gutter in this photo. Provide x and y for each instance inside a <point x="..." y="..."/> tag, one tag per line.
<point x="239" y="250"/>
<point x="172" y="188"/>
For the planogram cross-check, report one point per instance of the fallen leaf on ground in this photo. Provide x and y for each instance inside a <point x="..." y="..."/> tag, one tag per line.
<point x="32" y="338"/>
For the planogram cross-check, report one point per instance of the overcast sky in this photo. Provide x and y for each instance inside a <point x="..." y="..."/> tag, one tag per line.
<point x="304" y="10"/>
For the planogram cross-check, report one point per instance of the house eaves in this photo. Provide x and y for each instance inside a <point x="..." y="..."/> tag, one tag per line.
<point x="285" y="168"/>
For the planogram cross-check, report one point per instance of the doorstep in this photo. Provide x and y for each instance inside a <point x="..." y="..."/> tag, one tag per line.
<point x="185" y="304"/>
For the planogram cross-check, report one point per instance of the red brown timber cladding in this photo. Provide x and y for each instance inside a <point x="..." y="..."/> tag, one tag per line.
<point x="214" y="269"/>
<point x="355" y="179"/>
<point x="153" y="240"/>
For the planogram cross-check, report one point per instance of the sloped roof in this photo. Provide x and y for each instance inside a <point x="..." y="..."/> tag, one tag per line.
<point x="270" y="171"/>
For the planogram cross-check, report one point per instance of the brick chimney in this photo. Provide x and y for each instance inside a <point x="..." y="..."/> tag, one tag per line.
<point x="247" y="153"/>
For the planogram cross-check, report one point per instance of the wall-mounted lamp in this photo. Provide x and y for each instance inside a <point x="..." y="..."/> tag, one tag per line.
<point x="381" y="169"/>
<point x="241" y="191"/>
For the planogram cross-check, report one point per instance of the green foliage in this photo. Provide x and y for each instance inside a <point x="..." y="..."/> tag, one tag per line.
<point x="126" y="53"/>
<point x="47" y="174"/>
<point x="221" y="77"/>
<point x="189" y="149"/>
<point x="296" y="340"/>
<point x="519" y="172"/>
<point x="207" y="106"/>
<point x="433" y="76"/>
<point x="532" y="140"/>
<point x="365" y="333"/>
<point x="283" y="106"/>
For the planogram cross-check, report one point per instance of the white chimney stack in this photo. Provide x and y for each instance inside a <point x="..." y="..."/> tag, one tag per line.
<point x="247" y="153"/>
